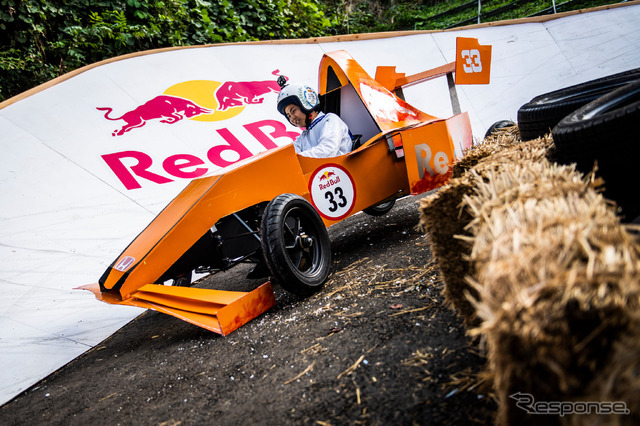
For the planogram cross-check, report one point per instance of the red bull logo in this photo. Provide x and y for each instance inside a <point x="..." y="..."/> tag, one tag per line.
<point x="333" y="191"/>
<point x="198" y="100"/>
<point x="201" y="100"/>
<point x="326" y="175"/>
<point x="166" y="109"/>
<point x="135" y="167"/>
<point x="234" y="94"/>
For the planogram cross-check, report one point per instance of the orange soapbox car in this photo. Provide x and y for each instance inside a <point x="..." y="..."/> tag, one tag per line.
<point x="274" y="207"/>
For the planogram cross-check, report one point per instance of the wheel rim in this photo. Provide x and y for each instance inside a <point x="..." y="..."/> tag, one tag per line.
<point x="301" y="242"/>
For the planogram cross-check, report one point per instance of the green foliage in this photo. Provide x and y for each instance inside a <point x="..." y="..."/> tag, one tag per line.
<point x="42" y="39"/>
<point x="362" y="16"/>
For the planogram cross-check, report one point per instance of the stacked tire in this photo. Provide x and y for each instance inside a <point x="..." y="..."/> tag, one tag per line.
<point x="542" y="113"/>
<point x="599" y="127"/>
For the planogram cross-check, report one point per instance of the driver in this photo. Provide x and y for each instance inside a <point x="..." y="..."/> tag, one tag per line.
<point x="324" y="135"/>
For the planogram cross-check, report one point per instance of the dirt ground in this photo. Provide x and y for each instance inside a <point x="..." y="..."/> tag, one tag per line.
<point x="376" y="346"/>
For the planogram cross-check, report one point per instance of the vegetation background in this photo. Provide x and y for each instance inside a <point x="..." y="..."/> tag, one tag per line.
<point x="43" y="39"/>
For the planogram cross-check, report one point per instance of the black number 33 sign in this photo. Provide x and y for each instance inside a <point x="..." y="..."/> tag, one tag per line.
<point x="332" y="191"/>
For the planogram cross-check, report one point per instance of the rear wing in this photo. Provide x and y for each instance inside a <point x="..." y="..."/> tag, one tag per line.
<point x="472" y="66"/>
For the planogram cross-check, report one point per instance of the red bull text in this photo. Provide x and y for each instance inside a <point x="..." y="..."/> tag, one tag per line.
<point x="133" y="167"/>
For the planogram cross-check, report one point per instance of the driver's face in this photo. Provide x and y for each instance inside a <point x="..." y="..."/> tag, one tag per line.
<point x="295" y="115"/>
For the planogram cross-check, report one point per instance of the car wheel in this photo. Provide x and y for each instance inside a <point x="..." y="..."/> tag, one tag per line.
<point x="295" y="244"/>
<point x="497" y="126"/>
<point x="537" y="117"/>
<point x="182" y="280"/>
<point x="380" y="208"/>
<point x="603" y="132"/>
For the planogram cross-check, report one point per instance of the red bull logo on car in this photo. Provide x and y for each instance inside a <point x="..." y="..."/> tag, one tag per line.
<point x="326" y="175"/>
<point x="333" y="191"/>
<point x="200" y="100"/>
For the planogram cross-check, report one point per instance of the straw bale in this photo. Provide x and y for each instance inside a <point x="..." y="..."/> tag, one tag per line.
<point x="501" y="139"/>
<point x="444" y="219"/>
<point x="442" y="216"/>
<point x="617" y="382"/>
<point x="551" y="279"/>
<point x="557" y="282"/>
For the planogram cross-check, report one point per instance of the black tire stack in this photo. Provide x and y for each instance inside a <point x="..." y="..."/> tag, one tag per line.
<point x="594" y="123"/>
<point x="542" y="113"/>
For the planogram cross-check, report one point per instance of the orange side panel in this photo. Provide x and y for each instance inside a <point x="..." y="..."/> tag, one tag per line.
<point x="376" y="173"/>
<point x="431" y="151"/>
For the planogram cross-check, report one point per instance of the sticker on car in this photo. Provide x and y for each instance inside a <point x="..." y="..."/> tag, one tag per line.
<point x="124" y="264"/>
<point x="333" y="192"/>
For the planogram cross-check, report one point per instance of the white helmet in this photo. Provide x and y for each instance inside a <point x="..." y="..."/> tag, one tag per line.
<point x="303" y="96"/>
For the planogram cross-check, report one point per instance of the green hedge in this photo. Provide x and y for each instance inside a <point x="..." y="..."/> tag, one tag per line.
<point x="42" y="39"/>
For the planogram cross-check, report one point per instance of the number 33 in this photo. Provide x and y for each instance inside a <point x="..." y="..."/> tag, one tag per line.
<point x="341" y="203"/>
<point x="472" y="61"/>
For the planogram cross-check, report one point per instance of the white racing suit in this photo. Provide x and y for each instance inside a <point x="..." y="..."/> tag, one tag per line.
<point x="326" y="136"/>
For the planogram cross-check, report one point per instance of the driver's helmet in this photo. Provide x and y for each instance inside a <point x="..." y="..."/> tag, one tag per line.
<point x="304" y="96"/>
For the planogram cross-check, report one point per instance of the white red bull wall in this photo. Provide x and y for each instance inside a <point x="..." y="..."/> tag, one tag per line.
<point x="89" y="159"/>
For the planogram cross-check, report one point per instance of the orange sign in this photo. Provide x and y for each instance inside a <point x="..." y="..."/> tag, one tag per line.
<point x="473" y="61"/>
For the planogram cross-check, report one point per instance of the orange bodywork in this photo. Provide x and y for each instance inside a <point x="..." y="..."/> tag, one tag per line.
<point x="404" y="151"/>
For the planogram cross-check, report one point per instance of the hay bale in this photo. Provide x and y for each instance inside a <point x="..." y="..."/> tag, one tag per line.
<point x="442" y="216"/>
<point x="444" y="219"/>
<point x="552" y="283"/>
<point x="500" y="139"/>
<point x="557" y="284"/>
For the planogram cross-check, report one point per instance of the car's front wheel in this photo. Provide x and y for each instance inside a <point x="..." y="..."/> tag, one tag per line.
<point x="295" y="244"/>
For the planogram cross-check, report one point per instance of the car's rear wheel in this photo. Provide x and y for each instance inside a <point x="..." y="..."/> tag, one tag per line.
<point x="498" y="126"/>
<point x="295" y="244"/>
<point x="183" y="280"/>
<point x="380" y="208"/>
<point x="537" y="117"/>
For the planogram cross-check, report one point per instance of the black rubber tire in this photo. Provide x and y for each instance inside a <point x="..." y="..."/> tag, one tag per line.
<point x="537" y="117"/>
<point x="295" y="244"/>
<point x="497" y="126"/>
<point x="380" y="209"/>
<point x="183" y="280"/>
<point x="605" y="131"/>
